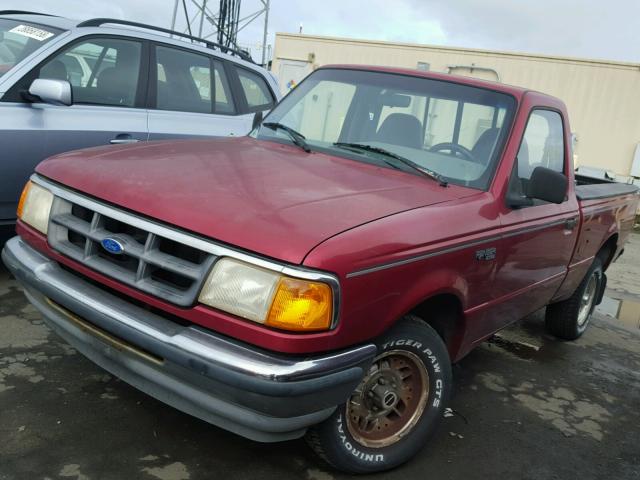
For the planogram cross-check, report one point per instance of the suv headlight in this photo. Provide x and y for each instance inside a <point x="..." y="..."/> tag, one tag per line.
<point x="268" y="297"/>
<point x="35" y="206"/>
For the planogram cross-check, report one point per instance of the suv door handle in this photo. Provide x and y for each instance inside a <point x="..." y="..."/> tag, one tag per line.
<point x="571" y="223"/>
<point x="123" y="138"/>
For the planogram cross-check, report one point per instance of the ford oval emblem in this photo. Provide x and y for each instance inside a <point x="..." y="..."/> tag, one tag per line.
<point x="112" y="245"/>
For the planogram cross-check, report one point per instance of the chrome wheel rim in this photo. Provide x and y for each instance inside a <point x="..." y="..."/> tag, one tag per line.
<point x="586" y="302"/>
<point x="390" y="399"/>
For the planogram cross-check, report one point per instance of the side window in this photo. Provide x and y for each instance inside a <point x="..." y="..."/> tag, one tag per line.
<point x="183" y="81"/>
<point x="476" y="120"/>
<point x="440" y="121"/>
<point x="102" y="71"/>
<point x="542" y="144"/>
<point x="255" y="90"/>
<point x="223" y="101"/>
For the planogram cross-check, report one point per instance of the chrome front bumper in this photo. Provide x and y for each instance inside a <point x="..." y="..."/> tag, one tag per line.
<point x="254" y="393"/>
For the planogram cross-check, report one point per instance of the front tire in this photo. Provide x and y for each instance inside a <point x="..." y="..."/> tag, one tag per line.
<point x="569" y="319"/>
<point x="395" y="409"/>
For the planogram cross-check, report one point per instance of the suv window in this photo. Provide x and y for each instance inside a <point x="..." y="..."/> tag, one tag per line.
<point x="542" y="144"/>
<point x="102" y="71"/>
<point x="184" y="83"/>
<point x="222" y="91"/>
<point x="255" y="89"/>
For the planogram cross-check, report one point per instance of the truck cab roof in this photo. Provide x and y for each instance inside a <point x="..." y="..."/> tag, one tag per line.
<point x="515" y="91"/>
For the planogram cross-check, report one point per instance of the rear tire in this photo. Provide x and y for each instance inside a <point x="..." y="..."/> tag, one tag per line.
<point x="396" y="408"/>
<point x="570" y="318"/>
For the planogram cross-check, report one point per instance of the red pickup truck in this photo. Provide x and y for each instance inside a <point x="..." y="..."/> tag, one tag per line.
<point x="320" y="276"/>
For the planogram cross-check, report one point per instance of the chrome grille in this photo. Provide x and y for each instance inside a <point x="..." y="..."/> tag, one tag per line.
<point x="149" y="262"/>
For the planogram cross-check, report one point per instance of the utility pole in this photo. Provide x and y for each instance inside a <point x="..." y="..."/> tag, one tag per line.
<point x="202" y="15"/>
<point x="226" y="22"/>
<point x="264" y="37"/>
<point x="175" y="14"/>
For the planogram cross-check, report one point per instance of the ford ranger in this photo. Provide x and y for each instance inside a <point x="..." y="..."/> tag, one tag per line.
<point x="318" y="277"/>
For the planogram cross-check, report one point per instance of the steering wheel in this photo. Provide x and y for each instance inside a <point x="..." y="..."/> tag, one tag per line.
<point x="455" y="148"/>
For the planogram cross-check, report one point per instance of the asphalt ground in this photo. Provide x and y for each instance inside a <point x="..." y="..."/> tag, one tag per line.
<point x="526" y="406"/>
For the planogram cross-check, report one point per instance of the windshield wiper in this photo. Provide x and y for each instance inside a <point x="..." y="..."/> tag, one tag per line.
<point x="296" y="137"/>
<point x="405" y="161"/>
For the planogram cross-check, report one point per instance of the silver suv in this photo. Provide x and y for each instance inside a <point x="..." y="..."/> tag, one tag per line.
<point x="66" y="85"/>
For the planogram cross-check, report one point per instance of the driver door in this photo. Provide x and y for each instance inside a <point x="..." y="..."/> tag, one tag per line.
<point x="538" y="241"/>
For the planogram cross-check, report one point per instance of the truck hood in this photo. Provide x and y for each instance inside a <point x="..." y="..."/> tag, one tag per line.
<point x="265" y="197"/>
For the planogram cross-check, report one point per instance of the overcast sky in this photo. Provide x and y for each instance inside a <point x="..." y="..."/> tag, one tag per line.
<point x="608" y="29"/>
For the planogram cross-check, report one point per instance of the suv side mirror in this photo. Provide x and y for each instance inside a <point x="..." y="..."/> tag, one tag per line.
<point x="545" y="184"/>
<point x="548" y="185"/>
<point x="55" y="92"/>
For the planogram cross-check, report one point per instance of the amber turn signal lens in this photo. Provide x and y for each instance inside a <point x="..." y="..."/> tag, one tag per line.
<point x="300" y="305"/>
<point x="23" y="198"/>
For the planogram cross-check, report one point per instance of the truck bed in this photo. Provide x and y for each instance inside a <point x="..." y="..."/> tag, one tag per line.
<point x="588" y="188"/>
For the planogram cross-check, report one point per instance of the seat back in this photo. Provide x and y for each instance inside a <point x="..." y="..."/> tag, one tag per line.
<point x="484" y="145"/>
<point x="401" y="129"/>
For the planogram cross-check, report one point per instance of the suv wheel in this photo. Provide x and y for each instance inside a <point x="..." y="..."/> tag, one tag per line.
<point x="395" y="409"/>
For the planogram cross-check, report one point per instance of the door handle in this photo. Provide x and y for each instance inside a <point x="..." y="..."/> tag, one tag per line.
<point x="571" y="223"/>
<point x="122" y="139"/>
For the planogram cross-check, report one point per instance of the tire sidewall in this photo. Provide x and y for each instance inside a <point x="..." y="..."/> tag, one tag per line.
<point x="596" y="269"/>
<point x="424" y="342"/>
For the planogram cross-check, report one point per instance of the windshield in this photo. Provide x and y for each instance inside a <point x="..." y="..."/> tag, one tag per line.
<point x="451" y="130"/>
<point x="19" y="39"/>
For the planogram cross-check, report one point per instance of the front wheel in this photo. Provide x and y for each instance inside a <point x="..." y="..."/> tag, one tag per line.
<point x="395" y="409"/>
<point x="570" y="318"/>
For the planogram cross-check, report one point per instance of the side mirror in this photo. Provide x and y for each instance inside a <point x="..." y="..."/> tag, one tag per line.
<point x="548" y="185"/>
<point x="545" y="184"/>
<point x="55" y="92"/>
<point x="257" y="120"/>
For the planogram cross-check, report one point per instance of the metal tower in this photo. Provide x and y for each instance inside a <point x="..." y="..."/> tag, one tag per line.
<point x="223" y="24"/>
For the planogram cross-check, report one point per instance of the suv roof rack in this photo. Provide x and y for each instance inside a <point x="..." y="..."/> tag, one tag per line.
<point x="24" y="12"/>
<point x="97" y="22"/>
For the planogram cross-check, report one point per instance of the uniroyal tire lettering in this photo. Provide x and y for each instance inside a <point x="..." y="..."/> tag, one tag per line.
<point x="367" y="457"/>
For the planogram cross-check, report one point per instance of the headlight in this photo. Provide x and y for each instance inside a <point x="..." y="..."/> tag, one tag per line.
<point x="34" y="206"/>
<point x="268" y="297"/>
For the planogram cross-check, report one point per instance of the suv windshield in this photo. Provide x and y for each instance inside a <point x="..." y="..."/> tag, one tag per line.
<point x="19" y="39"/>
<point x="454" y="132"/>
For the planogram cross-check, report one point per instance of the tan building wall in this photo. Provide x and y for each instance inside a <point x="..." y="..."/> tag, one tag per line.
<point x="603" y="97"/>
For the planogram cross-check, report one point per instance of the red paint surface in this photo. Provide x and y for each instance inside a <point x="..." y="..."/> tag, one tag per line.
<point x="260" y="196"/>
<point x="342" y="216"/>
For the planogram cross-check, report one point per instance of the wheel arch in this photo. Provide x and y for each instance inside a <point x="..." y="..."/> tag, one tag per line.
<point x="445" y="314"/>
<point x="608" y="250"/>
